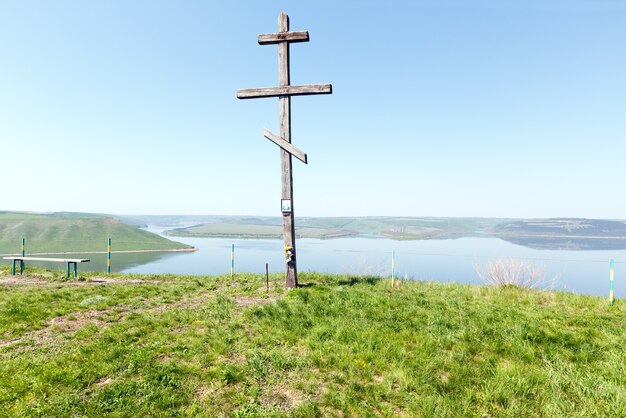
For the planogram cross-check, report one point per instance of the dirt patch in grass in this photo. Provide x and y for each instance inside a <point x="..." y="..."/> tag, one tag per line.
<point x="7" y="343"/>
<point x="285" y="398"/>
<point x="247" y="301"/>
<point x="47" y="281"/>
<point x="104" y="381"/>
<point x="76" y="320"/>
<point x="203" y="392"/>
<point x="70" y="323"/>
<point x="109" y="280"/>
<point x="18" y="280"/>
<point x="64" y="325"/>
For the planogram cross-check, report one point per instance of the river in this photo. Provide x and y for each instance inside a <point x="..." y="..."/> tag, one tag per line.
<point x="450" y="260"/>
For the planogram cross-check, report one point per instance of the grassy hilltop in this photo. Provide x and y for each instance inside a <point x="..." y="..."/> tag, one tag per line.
<point x="339" y="346"/>
<point x="73" y="232"/>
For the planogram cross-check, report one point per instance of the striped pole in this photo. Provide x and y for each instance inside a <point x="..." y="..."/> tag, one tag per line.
<point x="393" y="267"/>
<point x="109" y="256"/>
<point x="23" y="255"/>
<point x="611" y="277"/>
<point x="232" y="260"/>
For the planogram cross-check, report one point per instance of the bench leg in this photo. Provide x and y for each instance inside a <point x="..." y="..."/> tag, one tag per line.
<point x="13" y="268"/>
<point x="75" y="270"/>
<point x="68" y="270"/>
<point x="21" y="267"/>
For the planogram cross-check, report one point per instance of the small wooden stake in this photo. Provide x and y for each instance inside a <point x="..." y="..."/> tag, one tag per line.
<point x="267" y="278"/>
<point x="393" y="267"/>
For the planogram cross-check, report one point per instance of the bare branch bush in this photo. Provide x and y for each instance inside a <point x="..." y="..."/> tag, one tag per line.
<point x="513" y="272"/>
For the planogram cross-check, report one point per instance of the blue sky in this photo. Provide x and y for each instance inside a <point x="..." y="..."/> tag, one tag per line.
<point x="439" y="108"/>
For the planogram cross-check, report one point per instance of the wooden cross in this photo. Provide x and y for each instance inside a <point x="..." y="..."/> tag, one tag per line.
<point x="284" y="92"/>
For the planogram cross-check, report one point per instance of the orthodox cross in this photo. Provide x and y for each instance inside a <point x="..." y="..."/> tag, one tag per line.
<point x="284" y="91"/>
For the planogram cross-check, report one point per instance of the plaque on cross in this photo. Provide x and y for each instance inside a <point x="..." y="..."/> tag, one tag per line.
<point x="284" y="91"/>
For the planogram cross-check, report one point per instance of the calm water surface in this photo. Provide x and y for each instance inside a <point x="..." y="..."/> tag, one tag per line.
<point x="440" y="260"/>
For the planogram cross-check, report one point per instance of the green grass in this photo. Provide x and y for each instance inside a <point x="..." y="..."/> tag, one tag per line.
<point x="216" y="346"/>
<point x="67" y="232"/>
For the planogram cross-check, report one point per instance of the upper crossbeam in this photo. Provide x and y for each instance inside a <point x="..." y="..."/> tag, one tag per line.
<point x="275" y="38"/>
<point x="303" y="90"/>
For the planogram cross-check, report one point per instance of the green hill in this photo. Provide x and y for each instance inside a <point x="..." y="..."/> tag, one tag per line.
<point x="400" y="228"/>
<point x="565" y="233"/>
<point x="255" y="231"/>
<point x="74" y="232"/>
<point x="339" y="346"/>
<point x="557" y="233"/>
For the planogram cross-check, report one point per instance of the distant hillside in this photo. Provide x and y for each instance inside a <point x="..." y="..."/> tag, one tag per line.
<point x="376" y="227"/>
<point x="564" y="227"/>
<point x="67" y="232"/>
<point x="256" y="231"/>
<point x="405" y="228"/>
<point x="565" y="233"/>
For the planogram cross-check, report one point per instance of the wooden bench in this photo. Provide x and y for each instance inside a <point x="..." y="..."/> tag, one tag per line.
<point x="68" y="261"/>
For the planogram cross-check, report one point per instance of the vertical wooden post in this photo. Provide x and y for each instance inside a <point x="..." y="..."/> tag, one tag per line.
<point x="267" y="277"/>
<point x="284" y="92"/>
<point x="289" y="233"/>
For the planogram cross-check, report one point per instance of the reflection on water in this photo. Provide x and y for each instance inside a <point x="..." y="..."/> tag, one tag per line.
<point x="119" y="261"/>
<point x="440" y="260"/>
<point x="570" y="244"/>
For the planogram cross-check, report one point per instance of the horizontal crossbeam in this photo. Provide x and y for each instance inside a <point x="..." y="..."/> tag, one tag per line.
<point x="275" y="38"/>
<point x="284" y="91"/>
<point x="285" y="145"/>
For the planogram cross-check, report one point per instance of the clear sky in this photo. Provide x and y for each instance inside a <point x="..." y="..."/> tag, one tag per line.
<point x="439" y="108"/>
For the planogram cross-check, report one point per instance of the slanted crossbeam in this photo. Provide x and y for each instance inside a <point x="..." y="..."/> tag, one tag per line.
<point x="296" y="152"/>
<point x="284" y="91"/>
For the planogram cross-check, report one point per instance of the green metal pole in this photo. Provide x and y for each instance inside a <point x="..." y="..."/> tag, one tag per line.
<point x="109" y="257"/>
<point x="68" y="269"/>
<point x="23" y="254"/>
<point x="232" y="260"/>
<point x="75" y="269"/>
<point x="393" y="267"/>
<point x="13" y="268"/>
<point x="611" y="277"/>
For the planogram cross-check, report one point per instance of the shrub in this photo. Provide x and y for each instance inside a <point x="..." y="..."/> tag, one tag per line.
<point x="513" y="272"/>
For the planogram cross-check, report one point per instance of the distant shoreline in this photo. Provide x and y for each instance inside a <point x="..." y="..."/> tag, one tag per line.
<point x="167" y="250"/>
